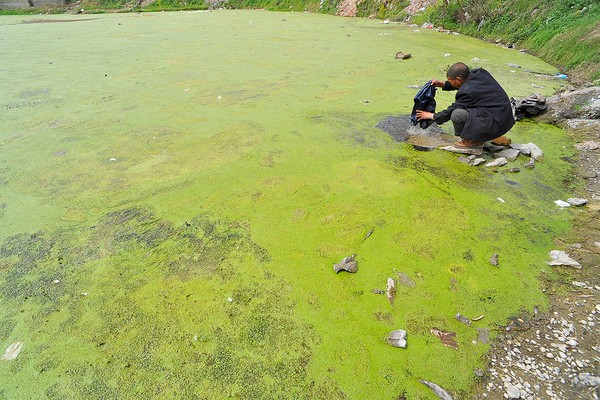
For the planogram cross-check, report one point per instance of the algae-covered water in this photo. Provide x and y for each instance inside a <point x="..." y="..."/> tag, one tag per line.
<point x="176" y="187"/>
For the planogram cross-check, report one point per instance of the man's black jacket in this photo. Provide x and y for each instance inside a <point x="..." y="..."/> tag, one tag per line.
<point x="488" y="105"/>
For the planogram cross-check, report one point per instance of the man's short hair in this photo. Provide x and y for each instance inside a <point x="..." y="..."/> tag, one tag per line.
<point x="458" y="70"/>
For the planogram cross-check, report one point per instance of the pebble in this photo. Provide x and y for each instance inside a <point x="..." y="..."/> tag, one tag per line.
<point x="513" y="392"/>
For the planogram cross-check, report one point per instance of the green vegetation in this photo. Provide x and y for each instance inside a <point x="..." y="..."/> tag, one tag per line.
<point x="565" y="33"/>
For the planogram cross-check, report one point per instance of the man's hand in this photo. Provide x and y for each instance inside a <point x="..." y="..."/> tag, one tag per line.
<point x="423" y="115"/>
<point x="437" y="83"/>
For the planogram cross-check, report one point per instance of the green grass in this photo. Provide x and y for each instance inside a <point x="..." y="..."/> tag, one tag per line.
<point x="564" y="32"/>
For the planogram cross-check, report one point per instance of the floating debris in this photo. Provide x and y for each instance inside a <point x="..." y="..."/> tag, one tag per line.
<point x="347" y="264"/>
<point x="405" y="280"/>
<point x="12" y="351"/>
<point x="390" y="292"/>
<point x="494" y="259"/>
<point x="462" y="319"/>
<point x="397" y="338"/>
<point x="368" y="234"/>
<point x="478" y="318"/>
<point x="441" y="393"/>
<point x="561" y="258"/>
<point x="447" y="338"/>
<point x="378" y="291"/>
<point x="562" y="203"/>
<point x="402" y="56"/>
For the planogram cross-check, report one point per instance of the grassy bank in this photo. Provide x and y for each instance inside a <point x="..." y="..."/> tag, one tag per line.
<point x="565" y="33"/>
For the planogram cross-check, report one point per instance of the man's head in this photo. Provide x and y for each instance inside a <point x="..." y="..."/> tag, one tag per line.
<point x="457" y="74"/>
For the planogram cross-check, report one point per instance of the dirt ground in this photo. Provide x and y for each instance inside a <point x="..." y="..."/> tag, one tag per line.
<point x="556" y="355"/>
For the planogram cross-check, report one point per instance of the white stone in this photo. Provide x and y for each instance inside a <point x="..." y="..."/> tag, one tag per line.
<point x="498" y="162"/>
<point x="561" y="258"/>
<point x="513" y="392"/>
<point x="562" y="203"/>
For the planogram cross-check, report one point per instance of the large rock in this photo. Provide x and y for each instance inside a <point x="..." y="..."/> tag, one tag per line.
<point x="582" y="104"/>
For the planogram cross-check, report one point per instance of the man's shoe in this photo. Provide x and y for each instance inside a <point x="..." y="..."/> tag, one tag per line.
<point x="502" y="141"/>
<point x="468" y="144"/>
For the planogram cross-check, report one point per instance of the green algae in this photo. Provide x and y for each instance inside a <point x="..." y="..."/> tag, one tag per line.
<point x="175" y="199"/>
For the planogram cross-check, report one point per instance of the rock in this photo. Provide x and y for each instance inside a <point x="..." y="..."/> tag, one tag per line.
<point x="513" y="392"/>
<point x="513" y="65"/>
<point x="397" y="338"/>
<point x="522" y="148"/>
<point x="561" y="258"/>
<point x="492" y="148"/>
<point x="588" y="379"/>
<point x="498" y="162"/>
<point x="12" y="351"/>
<point x="459" y="150"/>
<point x="536" y="153"/>
<point x="578" y="104"/>
<point x="588" y="145"/>
<point x="529" y="164"/>
<point x="577" y="202"/>
<point x="402" y="56"/>
<point x="441" y="393"/>
<point x="478" y="161"/>
<point x="514" y="170"/>
<point x="347" y="264"/>
<point x="465" y="159"/>
<point x="494" y="259"/>
<point x="509" y="154"/>
<point x="462" y="319"/>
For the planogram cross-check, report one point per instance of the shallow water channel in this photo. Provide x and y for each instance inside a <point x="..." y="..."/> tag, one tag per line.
<point x="176" y="187"/>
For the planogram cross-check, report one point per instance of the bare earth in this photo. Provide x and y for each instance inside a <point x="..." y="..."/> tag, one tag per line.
<point x="556" y="355"/>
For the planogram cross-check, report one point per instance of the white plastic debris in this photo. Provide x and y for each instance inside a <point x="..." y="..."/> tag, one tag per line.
<point x="562" y="203"/>
<point x="12" y="351"/>
<point x="561" y="258"/>
<point x="397" y="338"/>
<point x="501" y="200"/>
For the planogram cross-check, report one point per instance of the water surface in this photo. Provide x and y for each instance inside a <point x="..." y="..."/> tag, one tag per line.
<point x="176" y="187"/>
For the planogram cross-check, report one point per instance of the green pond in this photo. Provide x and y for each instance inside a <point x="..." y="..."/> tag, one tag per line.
<point x="175" y="189"/>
